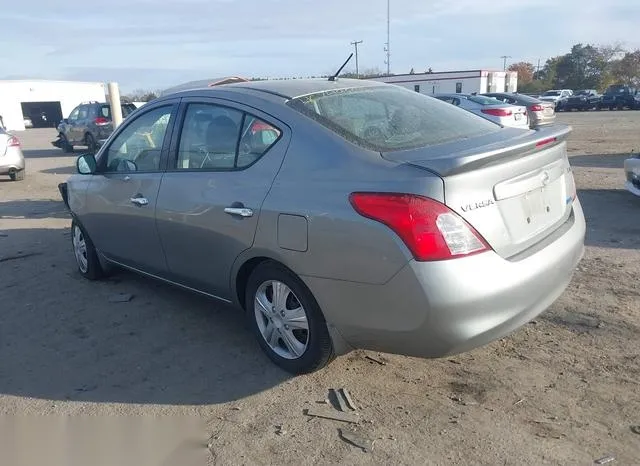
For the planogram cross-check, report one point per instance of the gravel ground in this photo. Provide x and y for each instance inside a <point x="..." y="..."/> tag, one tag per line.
<point x="564" y="389"/>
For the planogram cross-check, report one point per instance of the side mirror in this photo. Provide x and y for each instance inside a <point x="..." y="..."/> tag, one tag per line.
<point x="86" y="164"/>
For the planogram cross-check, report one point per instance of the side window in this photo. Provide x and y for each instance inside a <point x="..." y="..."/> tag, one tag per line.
<point x="138" y="147"/>
<point x="74" y="114"/>
<point x="219" y="138"/>
<point x="83" y="112"/>
<point x="257" y="137"/>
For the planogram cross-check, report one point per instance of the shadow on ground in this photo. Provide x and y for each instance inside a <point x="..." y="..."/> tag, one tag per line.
<point x="27" y="208"/>
<point x="613" y="218"/>
<point x="62" y="337"/>
<point x="600" y="160"/>
<point x="46" y="153"/>
<point x="66" y="170"/>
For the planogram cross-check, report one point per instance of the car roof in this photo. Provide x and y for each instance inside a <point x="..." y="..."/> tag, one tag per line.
<point x="290" y="88"/>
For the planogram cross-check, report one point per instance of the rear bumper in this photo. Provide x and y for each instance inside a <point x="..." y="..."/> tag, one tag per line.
<point x="441" y="308"/>
<point x="11" y="161"/>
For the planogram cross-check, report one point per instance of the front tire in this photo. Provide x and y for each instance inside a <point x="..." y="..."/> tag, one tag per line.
<point x="85" y="253"/>
<point x="287" y="320"/>
<point x="92" y="146"/>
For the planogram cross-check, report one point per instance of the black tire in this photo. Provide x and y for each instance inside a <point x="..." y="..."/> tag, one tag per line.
<point x="93" y="269"/>
<point x="319" y="350"/>
<point x="18" y="175"/>
<point x="64" y="144"/>
<point x="92" y="146"/>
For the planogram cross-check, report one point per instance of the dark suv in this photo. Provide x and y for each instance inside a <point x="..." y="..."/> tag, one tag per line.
<point x="619" y="97"/>
<point x="584" y="99"/>
<point x="89" y="124"/>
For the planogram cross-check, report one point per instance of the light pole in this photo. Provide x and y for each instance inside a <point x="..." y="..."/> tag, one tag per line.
<point x="387" y="47"/>
<point x="504" y="63"/>
<point x="355" y="44"/>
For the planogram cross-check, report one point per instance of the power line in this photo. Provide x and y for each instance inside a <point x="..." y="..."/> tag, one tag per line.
<point x="355" y="44"/>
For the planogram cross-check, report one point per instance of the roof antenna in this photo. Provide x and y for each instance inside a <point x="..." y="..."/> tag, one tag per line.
<point x="333" y="78"/>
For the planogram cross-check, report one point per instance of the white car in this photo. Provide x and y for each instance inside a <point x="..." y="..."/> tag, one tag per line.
<point x="490" y="108"/>
<point x="632" y="173"/>
<point x="556" y="96"/>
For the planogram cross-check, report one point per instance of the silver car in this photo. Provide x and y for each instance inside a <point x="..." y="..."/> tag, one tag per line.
<point x="11" y="157"/>
<point x="337" y="214"/>
<point x="490" y="108"/>
<point x="540" y="113"/>
<point x="632" y="174"/>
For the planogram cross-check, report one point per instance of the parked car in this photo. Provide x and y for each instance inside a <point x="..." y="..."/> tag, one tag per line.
<point x="557" y="96"/>
<point x="89" y="125"/>
<point x="489" y="108"/>
<point x="27" y="122"/>
<point x="583" y="99"/>
<point x="620" y="97"/>
<point x="432" y="235"/>
<point x="11" y="157"/>
<point x="632" y="173"/>
<point x="540" y="113"/>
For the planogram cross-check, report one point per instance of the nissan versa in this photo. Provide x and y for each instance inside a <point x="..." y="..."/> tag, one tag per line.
<point x="338" y="214"/>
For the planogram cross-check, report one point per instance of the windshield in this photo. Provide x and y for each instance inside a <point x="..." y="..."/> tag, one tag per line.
<point x="581" y="92"/>
<point x="551" y="93"/>
<point x="616" y="90"/>
<point x="127" y="109"/>
<point x="390" y="118"/>
<point x="482" y="100"/>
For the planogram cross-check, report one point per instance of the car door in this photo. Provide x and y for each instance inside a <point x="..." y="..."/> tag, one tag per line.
<point x="121" y="197"/>
<point x="78" y="129"/>
<point x="71" y="124"/>
<point x="222" y="164"/>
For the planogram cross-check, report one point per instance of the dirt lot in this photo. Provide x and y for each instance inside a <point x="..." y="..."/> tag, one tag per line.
<point x="563" y="390"/>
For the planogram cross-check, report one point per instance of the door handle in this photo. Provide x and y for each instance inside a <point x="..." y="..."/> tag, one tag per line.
<point x="239" y="211"/>
<point x="139" y="201"/>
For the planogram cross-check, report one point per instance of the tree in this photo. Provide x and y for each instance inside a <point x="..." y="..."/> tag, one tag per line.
<point x="627" y="69"/>
<point x="525" y="71"/>
<point x="142" y="95"/>
<point x="412" y="71"/>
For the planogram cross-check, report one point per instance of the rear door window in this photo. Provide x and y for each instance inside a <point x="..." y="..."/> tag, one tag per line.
<point x="389" y="118"/>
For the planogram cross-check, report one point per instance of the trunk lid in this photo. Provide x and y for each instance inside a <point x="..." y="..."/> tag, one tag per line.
<point x="514" y="187"/>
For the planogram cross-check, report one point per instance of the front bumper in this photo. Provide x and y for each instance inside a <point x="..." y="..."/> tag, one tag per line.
<point x="435" y="309"/>
<point x="632" y="174"/>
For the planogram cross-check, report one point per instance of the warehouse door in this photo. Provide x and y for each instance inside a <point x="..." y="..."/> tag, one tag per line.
<point x="42" y="114"/>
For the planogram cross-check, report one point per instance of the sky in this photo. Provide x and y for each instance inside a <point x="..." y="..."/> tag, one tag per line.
<point x="154" y="44"/>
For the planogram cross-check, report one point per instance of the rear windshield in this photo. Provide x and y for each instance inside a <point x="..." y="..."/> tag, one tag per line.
<point x="127" y="109"/>
<point x="551" y="93"/>
<point x="483" y="100"/>
<point x="390" y="118"/>
<point x="527" y="99"/>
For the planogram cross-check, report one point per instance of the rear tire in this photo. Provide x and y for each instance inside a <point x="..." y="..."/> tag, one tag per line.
<point x="85" y="253"/>
<point x="92" y="146"/>
<point x="18" y="175"/>
<point x="314" y="348"/>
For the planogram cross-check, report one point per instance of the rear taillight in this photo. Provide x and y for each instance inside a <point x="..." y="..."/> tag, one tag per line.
<point x="431" y="230"/>
<point x="13" y="142"/>
<point x="500" y="112"/>
<point x="536" y="108"/>
<point x="544" y="142"/>
<point x="101" y="121"/>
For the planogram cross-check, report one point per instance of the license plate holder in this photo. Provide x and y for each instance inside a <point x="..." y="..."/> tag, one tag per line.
<point x="537" y="207"/>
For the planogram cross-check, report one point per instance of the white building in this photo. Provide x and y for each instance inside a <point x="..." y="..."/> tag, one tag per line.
<point x="465" y="82"/>
<point x="44" y="102"/>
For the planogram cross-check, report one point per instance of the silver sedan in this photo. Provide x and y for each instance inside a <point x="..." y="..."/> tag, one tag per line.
<point x="632" y="174"/>
<point x="11" y="157"/>
<point x="335" y="214"/>
<point x="489" y="108"/>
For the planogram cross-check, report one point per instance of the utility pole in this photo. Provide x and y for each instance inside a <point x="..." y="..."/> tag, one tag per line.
<point x="504" y="58"/>
<point x="387" y="47"/>
<point x="114" y="101"/>
<point x="355" y="44"/>
<point x="538" y="72"/>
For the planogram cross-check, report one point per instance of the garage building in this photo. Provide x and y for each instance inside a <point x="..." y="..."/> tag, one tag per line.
<point x="447" y="82"/>
<point x="44" y="102"/>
